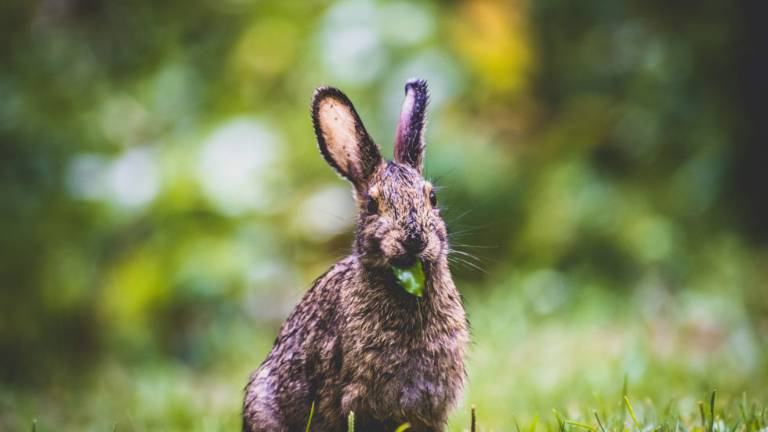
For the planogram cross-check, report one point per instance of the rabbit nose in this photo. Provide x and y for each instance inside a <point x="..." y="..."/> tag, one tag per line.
<point x="413" y="244"/>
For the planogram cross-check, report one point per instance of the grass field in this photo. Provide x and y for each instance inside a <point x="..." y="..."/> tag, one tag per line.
<point x="557" y="360"/>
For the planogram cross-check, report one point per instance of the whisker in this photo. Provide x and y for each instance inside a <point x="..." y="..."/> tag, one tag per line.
<point x="474" y="246"/>
<point x="345" y="218"/>
<point x="457" y="260"/>
<point x="463" y="253"/>
<point x="457" y="218"/>
<point x="438" y="177"/>
<point x="464" y="231"/>
<point x="474" y="266"/>
<point x="475" y="257"/>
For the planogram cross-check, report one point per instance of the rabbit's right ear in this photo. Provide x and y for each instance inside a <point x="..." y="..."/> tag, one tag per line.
<point x="342" y="138"/>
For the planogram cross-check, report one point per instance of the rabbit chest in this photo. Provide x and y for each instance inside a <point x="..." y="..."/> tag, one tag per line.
<point x="404" y="356"/>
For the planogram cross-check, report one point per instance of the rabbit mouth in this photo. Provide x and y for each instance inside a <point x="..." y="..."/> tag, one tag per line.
<point x="405" y="261"/>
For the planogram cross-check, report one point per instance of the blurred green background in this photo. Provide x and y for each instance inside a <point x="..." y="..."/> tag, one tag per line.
<point x="163" y="203"/>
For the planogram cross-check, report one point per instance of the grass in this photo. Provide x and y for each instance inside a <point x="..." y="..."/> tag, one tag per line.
<point x="594" y="363"/>
<point x="737" y="415"/>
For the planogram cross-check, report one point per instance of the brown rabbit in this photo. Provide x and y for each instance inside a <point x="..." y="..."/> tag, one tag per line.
<point x="358" y="341"/>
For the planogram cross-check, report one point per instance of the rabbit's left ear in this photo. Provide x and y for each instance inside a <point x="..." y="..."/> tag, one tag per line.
<point x="342" y="138"/>
<point x="409" y="141"/>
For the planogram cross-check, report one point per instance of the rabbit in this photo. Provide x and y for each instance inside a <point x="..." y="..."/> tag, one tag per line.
<point x="357" y="341"/>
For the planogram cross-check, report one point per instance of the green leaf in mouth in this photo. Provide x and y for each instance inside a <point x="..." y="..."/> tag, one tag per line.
<point x="411" y="278"/>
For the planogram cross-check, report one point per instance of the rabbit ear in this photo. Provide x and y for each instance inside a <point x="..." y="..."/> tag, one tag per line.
<point x="342" y="138"/>
<point x="409" y="142"/>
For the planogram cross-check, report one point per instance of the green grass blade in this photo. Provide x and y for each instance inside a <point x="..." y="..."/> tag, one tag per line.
<point x="599" y="423"/>
<point x="403" y="427"/>
<point x="560" y="420"/>
<point x="351" y="422"/>
<point x="632" y="412"/>
<point x="581" y="425"/>
<point x="712" y="411"/>
<point x="743" y="408"/>
<point x="667" y="413"/>
<point x="311" y="413"/>
<point x="534" y="423"/>
<point x="736" y="425"/>
<point x="601" y="407"/>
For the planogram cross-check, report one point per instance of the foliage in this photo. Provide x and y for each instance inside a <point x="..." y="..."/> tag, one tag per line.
<point x="411" y="279"/>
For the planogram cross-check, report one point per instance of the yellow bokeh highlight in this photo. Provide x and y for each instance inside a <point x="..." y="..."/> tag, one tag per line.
<point x="268" y="48"/>
<point x="493" y="37"/>
<point x="132" y="286"/>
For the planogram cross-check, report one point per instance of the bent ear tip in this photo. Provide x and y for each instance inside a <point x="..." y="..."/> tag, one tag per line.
<point x="418" y="85"/>
<point x="417" y="93"/>
<point x="409" y="138"/>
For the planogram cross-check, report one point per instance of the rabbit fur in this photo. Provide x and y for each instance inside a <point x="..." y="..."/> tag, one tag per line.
<point x="357" y="341"/>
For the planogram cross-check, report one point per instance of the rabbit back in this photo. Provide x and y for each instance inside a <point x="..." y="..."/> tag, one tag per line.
<point x="304" y="365"/>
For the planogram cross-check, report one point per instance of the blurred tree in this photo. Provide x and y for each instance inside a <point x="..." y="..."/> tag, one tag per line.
<point x="161" y="189"/>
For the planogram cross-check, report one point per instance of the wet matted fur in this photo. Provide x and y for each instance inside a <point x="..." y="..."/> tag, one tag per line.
<point x="357" y="341"/>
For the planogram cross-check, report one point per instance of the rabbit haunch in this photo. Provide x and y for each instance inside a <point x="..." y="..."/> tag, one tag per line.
<point x="357" y="341"/>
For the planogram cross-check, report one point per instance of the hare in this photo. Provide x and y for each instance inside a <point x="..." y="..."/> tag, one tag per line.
<point x="358" y="341"/>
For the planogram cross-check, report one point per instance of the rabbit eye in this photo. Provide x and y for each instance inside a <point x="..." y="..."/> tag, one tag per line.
<point x="371" y="206"/>
<point x="432" y="198"/>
